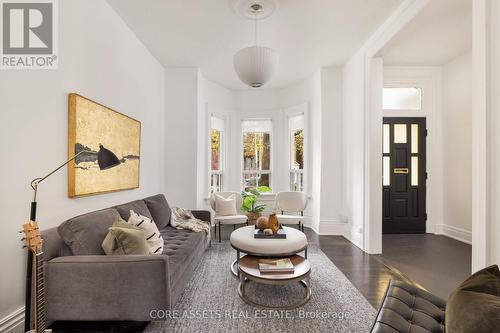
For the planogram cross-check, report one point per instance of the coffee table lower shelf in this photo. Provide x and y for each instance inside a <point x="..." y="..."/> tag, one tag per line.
<point x="248" y="270"/>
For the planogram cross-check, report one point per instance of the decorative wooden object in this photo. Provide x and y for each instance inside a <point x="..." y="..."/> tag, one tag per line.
<point x="262" y="222"/>
<point x="268" y="223"/>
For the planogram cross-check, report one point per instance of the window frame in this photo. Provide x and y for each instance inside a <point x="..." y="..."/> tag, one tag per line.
<point x="271" y="151"/>
<point x="222" y="149"/>
<point x="290" y="142"/>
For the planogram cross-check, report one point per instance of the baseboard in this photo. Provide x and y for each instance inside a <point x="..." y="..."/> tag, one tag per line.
<point x="458" y="234"/>
<point x="13" y="323"/>
<point x="348" y="235"/>
<point x="332" y="227"/>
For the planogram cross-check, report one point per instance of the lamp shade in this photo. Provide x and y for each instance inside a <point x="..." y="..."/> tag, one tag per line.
<point x="106" y="158"/>
<point x="256" y="65"/>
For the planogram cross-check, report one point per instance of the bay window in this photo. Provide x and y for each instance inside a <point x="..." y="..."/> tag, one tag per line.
<point x="256" y="153"/>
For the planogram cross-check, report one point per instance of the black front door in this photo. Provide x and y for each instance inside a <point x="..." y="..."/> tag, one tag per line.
<point x="404" y="175"/>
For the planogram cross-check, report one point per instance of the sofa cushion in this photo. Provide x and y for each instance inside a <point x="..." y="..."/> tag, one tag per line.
<point x="138" y="206"/>
<point x="475" y="305"/>
<point x="181" y="247"/>
<point x="160" y="210"/>
<point x="84" y="234"/>
<point x="125" y="238"/>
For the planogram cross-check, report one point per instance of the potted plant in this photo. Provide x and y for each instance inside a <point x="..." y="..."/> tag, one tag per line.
<point x="251" y="205"/>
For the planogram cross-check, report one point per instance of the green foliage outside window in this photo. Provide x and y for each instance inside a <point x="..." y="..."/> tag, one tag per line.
<point x="251" y="197"/>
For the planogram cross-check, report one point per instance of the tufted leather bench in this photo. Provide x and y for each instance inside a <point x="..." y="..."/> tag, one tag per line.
<point x="409" y="309"/>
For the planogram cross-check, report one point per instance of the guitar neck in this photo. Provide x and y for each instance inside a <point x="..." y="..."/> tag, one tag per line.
<point x="39" y="301"/>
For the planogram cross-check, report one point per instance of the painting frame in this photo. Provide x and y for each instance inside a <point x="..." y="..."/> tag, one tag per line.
<point x="74" y="176"/>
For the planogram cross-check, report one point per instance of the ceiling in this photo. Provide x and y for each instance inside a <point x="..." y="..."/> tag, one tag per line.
<point x="206" y="34"/>
<point x="441" y="32"/>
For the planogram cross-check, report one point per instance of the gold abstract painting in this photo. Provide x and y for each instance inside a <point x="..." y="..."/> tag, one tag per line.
<point x="94" y="127"/>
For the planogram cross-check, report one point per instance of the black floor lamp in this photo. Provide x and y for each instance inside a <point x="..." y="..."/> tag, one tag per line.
<point x="106" y="159"/>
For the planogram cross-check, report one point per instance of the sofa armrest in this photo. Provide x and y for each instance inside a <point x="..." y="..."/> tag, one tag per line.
<point x="100" y="287"/>
<point x="203" y="215"/>
<point x="406" y="308"/>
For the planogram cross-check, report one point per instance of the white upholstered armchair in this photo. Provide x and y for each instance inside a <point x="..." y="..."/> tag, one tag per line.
<point x="291" y="205"/>
<point x="238" y="217"/>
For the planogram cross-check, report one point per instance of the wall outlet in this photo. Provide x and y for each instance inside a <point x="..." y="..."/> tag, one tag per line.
<point x="360" y="230"/>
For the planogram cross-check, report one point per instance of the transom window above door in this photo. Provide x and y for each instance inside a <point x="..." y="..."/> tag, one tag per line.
<point x="402" y="98"/>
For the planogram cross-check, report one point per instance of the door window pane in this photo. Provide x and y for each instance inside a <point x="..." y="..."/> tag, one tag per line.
<point x="414" y="171"/>
<point x="386" y="179"/>
<point x="402" y="98"/>
<point x="386" y="138"/>
<point x="414" y="138"/>
<point x="400" y="133"/>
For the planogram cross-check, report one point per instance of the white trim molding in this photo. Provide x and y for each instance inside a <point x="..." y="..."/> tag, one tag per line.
<point x="13" y="322"/>
<point x="458" y="234"/>
<point x="481" y="40"/>
<point x="332" y="227"/>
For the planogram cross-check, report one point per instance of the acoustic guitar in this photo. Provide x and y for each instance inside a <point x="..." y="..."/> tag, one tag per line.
<point x="34" y="244"/>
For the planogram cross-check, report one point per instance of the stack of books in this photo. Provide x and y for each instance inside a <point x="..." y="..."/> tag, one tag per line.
<point x="276" y="266"/>
<point x="281" y="234"/>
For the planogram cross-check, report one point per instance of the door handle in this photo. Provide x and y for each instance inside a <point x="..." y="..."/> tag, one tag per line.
<point x="400" y="170"/>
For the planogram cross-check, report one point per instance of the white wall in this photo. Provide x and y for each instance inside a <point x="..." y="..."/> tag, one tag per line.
<point x="485" y="123"/>
<point x="181" y="136"/>
<point x="309" y="92"/>
<point x="331" y="219"/>
<point x="493" y="109"/>
<point x="353" y="94"/>
<point x="100" y="58"/>
<point x="457" y="147"/>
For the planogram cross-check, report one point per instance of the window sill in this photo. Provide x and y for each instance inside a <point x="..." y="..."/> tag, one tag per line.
<point x="267" y="196"/>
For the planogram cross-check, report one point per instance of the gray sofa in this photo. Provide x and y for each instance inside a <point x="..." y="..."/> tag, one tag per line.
<point x="82" y="283"/>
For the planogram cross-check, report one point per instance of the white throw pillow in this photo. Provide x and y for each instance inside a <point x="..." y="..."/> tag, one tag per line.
<point x="225" y="206"/>
<point x="153" y="236"/>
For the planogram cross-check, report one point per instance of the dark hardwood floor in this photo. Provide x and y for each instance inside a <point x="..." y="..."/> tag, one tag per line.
<point x="366" y="272"/>
<point x="436" y="263"/>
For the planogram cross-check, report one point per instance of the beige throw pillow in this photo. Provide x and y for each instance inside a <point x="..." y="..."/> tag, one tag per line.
<point x="153" y="236"/>
<point x="124" y="238"/>
<point x="225" y="206"/>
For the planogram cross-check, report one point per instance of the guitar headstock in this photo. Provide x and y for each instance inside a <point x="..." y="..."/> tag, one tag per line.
<point x="32" y="237"/>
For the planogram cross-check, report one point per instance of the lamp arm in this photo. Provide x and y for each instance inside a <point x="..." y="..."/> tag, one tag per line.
<point x="36" y="181"/>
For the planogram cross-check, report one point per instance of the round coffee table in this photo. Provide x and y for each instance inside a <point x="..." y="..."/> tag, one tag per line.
<point x="249" y="270"/>
<point x="242" y="240"/>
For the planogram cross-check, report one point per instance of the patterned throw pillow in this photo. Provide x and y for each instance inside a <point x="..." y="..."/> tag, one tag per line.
<point x="153" y="236"/>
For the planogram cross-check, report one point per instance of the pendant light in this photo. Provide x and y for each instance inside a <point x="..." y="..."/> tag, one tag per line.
<point x="256" y="65"/>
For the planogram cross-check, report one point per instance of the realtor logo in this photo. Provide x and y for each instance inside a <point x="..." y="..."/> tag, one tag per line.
<point x="29" y="34"/>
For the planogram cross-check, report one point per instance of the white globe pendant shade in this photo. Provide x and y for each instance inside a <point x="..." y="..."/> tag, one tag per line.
<point x="256" y="65"/>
